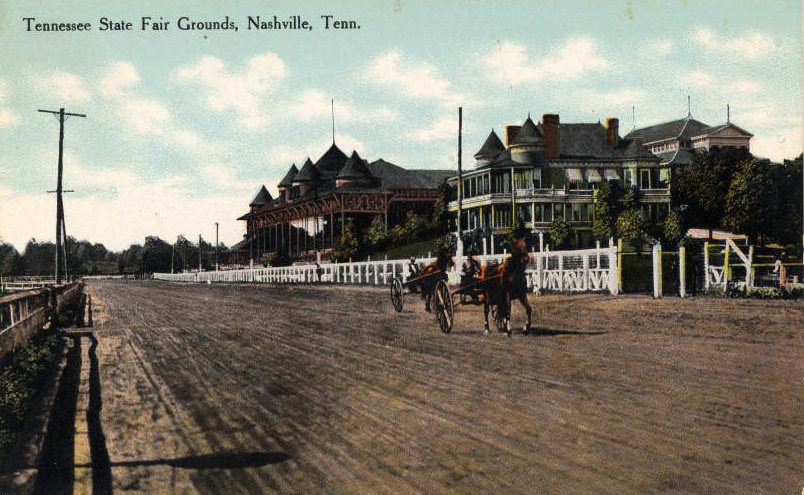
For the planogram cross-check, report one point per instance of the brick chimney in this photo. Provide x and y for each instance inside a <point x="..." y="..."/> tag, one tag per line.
<point x="612" y="131"/>
<point x="550" y="123"/>
<point x="510" y="133"/>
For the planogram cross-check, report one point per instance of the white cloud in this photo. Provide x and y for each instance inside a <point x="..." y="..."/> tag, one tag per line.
<point x="145" y="116"/>
<point x="314" y="104"/>
<point x="443" y="129"/>
<point x="697" y="79"/>
<point x="780" y="144"/>
<point x="65" y="87"/>
<point x="750" y="46"/>
<point x="510" y="63"/>
<point x="659" y="48"/>
<point x="118" y="78"/>
<point x="745" y="86"/>
<point x="4" y="91"/>
<point x="7" y="118"/>
<point x="116" y="214"/>
<point x="415" y="80"/>
<point x="241" y="91"/>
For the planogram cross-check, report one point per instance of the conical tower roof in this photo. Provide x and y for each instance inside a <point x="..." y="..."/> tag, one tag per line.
<point x="355" y="168"/>
<point x="288" y="180"/>
<point x="263" y="197"/>
<point x="308" y="173"/>
<point x="528" y="134"/>
<point x="491" y="148"/>
<point x="332" y="161"/>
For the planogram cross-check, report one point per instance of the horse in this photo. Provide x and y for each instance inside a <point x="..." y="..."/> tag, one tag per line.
<point x="505" y="282"/>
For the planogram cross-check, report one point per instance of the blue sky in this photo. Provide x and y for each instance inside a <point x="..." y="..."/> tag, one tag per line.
<point x="183" y="127"/>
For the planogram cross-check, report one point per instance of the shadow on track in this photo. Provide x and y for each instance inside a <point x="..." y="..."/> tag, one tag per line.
<point x="211" y="461"/>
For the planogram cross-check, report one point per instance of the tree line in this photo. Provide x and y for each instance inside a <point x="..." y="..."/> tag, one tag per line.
<point x="86" y="258"/>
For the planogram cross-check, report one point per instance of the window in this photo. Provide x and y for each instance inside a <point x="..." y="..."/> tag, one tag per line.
<point x="628" y="177"/>
<point x="575" y="212"/>
<point x="558" y="211"/>
<point x="548" y="212"/>
<point x="523" y="212"/>
<point x="502" y="217"/>
<point x="644" y="178"/>
<point x="524" y="179"/>
<point x="664" y="178"/>
<point x="537" y="178"/>
<point x="502" y="183"/>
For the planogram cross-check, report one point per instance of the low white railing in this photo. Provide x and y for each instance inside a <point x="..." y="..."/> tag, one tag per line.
<point x="558" y="271"/>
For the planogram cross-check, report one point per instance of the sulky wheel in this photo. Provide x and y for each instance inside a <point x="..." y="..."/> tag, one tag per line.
<point x="442" y="303"/>
<point x="397" y="298"/>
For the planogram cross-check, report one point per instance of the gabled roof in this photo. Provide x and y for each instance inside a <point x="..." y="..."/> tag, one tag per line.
<point x="491" y="148"/>
<point x="263" y="197"/>
<point x="331" y="162"/>
<point x="727" y="125"/>
<point x="288" y="180"/>
<point x="355" y="168"/>
<point x="589" y="141"/>
<point x="308" y="173"/>
<point x="528" y="134"/>
<point x="674" y="129"/>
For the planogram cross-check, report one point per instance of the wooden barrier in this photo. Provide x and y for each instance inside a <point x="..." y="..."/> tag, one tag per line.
<point x="22" y="315"/>
<point x="574" y="271"/>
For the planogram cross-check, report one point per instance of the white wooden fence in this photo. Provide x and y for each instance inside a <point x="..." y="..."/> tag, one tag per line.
<point x="559" y="271"/>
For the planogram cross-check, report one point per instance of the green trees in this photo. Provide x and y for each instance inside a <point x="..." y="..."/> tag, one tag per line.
<point x="347" y="245"/>
<point x="606" y="199"/>
<point x="559" y="233"/>
<point x="749" y="204"/>
<point x="730" y="189"/>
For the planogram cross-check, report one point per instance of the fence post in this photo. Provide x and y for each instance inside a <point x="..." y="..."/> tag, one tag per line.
<point x="614" y="266"/>
<point x="682" y="271"/>
<point x="538" y="285"/>
<point x="657" y="271"/>
<point x="585" y="272"/>
<point x="726" y="267"/>
<point x="706" y="265"/>
<point x="749" y="269"/>
<point x="619" y="264"/>
<point x="560" y="271"/>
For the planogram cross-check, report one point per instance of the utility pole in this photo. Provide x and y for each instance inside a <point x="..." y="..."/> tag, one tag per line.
<point x="216" y="246"/>
<point x="460" y="186"/>
<point x="172" y="255"/>
<point x="61" y="114"/>
<point x="199" y="253"/>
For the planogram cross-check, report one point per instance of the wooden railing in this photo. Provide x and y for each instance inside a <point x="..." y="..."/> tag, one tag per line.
<point x="559" y="271"/>
<point x="25" y="313"/>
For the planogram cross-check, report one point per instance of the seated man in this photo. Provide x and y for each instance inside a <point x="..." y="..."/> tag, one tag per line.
<point x="470" y="274"/>
<point x="412" y="272"/>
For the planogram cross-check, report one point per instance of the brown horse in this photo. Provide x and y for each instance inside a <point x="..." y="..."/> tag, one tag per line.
<point x="506" y="282"/>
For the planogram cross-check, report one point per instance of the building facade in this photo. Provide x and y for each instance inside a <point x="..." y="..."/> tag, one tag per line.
<point x="677" y="141"/>
<point x="317" y="202"/>
<point x="550" y="170"/>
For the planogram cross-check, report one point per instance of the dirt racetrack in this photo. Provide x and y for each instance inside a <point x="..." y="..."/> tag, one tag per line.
<point x="250" y="389"/>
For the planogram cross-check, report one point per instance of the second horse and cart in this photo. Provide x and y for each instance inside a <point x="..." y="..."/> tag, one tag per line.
<point x="494" y="287"/>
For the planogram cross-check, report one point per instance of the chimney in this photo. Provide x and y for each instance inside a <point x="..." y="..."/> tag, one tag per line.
<point x="550" y="123"/>
<point x="510" y="133"/>
<point x="612" y="131"/>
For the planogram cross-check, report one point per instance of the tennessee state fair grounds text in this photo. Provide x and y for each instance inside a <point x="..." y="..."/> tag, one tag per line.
<point x="159" y="24"/>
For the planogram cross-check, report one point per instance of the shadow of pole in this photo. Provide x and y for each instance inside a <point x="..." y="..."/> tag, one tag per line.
<point x="55" y="475"/>
<point x="101" y="469"/>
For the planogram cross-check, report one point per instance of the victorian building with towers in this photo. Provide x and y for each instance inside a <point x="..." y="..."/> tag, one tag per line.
<point x="319" y="200"/>
<point x="541" y="172"/>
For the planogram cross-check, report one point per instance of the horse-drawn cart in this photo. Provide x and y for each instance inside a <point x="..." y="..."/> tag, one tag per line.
<point x="486" y="290"/>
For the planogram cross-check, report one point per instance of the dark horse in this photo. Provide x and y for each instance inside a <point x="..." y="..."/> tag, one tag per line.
<point x="506" y="282"/>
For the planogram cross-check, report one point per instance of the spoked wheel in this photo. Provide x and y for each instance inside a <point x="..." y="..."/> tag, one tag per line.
<point x="397" y="298"/>
<point x="442" y="303"/>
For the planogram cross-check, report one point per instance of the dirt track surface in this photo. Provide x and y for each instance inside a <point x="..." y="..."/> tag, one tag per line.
<point x="232" y="389"/>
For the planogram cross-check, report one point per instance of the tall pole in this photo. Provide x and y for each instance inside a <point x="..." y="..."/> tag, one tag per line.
<point x="460" y="169"/>
<point x="61" y="114"/>
<point x="216" y="246"/>
<point x="172" y="256"/>
<point x="199" y="252"/>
